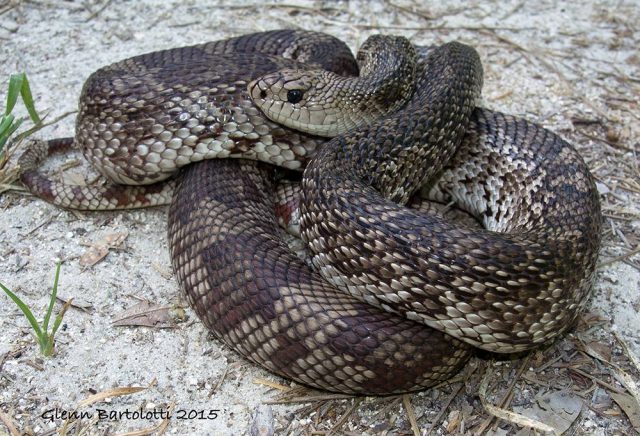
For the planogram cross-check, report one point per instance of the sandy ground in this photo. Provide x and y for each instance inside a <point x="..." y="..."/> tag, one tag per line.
<point x="575" y="69"/>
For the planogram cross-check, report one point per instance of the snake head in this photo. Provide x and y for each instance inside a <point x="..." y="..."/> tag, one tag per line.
<point x="323" y="103"/>
<point x="303" y="100"/>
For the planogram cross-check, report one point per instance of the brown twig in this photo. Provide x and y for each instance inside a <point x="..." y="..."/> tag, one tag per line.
<point x="630" y="355"/>
<point x="444" y="408"/>
<point x="99" y="10"/>
<point x="343" y="419"/>
<point x="468" y="373"/>
<point x="409" y="11"/>
<point x="621" y="257"/>
<point x="8" y="422"/>
<point x="504" y="414"/>
<point x="220" y="381"/>
<point x="310" y="399"/>
<point x="597" y="380"/>
<point x="506" y="398"/>
<point x="606" y="141"/>
<point x="411" y="414"/>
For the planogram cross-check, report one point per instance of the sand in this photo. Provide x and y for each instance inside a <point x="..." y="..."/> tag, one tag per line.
<point x="574" y="69"/>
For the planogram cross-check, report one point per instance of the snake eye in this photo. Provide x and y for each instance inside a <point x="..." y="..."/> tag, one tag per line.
<point x="294" y="96"/>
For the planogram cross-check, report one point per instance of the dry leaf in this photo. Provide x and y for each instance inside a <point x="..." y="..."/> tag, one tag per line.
<point x="598" y="350"/>
<point x="591" y="319"/>
<point x="93" y="255"/>
<point x="147" y="315"/>
<point x="79" y="304"/>
<point x="629" y="406"/>
<point x="114" y="240"/>
<point x="454" y="419"/>
<point x="557" y="409"/>
<point x="99" y="250"/>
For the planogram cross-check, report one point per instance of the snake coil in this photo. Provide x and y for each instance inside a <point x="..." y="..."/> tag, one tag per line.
<point x="420" y="290"/>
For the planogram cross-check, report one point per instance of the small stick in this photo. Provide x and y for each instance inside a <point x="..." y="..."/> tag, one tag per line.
<point x="632" y="357"/>
<point x="444" y="408"/>
<point x="345" y="417"/>
<point x="507" y="415"/>
<point x="311" y="399"/>
<point x="261" y="381"/>
<point x="621" y="257"/>
<point x="406" y="10"/>
<point x="597" y="380"/>
<point x="411" y="413"/>
<point x="220" y="381"/>
<point x="507" y="397"/>
<point x="97" y="12"/>
<point x="612" y="144"/>
<point x="8" y="422"/>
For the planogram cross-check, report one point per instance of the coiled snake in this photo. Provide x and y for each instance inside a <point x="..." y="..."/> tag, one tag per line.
<point x="420" y="289"/>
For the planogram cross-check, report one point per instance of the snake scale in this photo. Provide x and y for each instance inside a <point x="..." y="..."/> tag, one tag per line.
<point x="420" y="290"/>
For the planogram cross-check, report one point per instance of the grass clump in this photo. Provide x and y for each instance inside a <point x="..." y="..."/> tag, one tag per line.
<point x="45" y="339"/>
<point x="18" y="86"/>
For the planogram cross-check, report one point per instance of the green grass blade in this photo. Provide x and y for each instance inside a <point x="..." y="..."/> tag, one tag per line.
<point x="15" y="89"/>
<point x="25" y="309"/>
<point x="5" y="134"/>
<point x="22" y="135"/>
<point x="5" y="125"/>
<point x="27" y="98"/>
<point x="52" y="301"/>
<point x="59" y="317"/>
<point x="5" y="122"/>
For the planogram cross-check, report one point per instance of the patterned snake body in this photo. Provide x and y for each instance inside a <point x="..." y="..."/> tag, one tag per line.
<point x="143" y="118"/>
<point x="517" y="283"/>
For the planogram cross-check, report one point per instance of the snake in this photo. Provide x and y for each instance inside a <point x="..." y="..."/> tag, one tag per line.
<point x="392" y="299"/>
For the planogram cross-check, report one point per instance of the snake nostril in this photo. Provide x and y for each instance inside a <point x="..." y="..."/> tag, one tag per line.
<point x="263" y="93"/>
